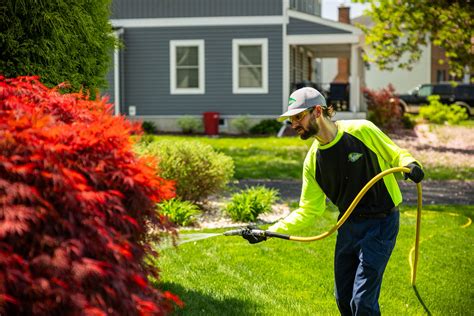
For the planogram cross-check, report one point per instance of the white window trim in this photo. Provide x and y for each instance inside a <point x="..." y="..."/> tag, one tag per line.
<point x="235" y="65"/>
<point x="201" y="64"/>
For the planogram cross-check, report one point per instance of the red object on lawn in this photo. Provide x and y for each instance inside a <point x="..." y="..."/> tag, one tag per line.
<point x="211" y="123"/>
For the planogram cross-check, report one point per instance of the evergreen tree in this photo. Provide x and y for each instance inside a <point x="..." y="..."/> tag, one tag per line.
<point x="58" y="40"/>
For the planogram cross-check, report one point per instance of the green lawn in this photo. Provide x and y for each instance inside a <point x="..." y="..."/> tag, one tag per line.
<point x="227" y="276"/>
<point x="282" y="158"/>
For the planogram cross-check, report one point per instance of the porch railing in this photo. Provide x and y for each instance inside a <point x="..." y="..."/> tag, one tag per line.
<point x="336" y="94"/>
<point x="307" y="6"/>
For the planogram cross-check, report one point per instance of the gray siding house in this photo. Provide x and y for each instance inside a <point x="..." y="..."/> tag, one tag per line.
<point x="235" y="57"/>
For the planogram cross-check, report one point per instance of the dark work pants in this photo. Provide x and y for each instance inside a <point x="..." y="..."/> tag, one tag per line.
<point x="363" y="248"/>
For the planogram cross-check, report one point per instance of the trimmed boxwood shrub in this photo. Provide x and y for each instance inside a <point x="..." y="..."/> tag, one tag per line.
<point x="266" y="127"/>
<point x="197" y="169"/>
<point x="189" y="124"/>
<point x="75" y="209"/>
<point x="241" y="124"/>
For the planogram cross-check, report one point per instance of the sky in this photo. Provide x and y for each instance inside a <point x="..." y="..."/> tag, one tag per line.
<point x="329" y="8"/>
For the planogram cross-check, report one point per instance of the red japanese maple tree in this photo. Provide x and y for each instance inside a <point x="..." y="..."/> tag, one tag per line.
<point x="384" y="107"/>
<point x="75" y="207"/>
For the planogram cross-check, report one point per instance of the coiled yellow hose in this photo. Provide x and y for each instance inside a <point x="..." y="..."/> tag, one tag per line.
<point x="354" y="204"/>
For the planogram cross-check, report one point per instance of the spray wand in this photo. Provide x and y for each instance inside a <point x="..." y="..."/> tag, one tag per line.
<point x="254" y="235"/>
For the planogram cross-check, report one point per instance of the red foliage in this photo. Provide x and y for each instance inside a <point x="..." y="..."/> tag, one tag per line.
<point x="75" y="206"/>
<point x="384" y="107"/>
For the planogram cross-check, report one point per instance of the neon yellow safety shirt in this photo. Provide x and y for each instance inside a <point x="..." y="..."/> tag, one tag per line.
<point x="340" y="169"/>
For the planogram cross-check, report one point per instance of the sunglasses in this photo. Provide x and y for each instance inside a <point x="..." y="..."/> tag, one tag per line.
<point x="298" y="117"/>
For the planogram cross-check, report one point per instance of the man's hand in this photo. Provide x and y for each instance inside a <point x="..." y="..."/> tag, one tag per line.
<point x="416" y="174"/>
<point x="254" y="235"/>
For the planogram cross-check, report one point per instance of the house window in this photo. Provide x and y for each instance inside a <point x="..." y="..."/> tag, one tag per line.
<point x="187" y="67"/>
<point x="250" y="65"/>
<point x="440" y="75"/>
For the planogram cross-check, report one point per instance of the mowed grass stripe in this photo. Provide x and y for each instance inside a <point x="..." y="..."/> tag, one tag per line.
<point x="227" y="276"/>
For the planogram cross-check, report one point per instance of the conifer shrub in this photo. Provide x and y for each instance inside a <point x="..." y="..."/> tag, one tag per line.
<point x="247" y="205"/>
<point x="197" y="169"/>
<point x="61" y="41"/>
<point x="75" y="208"/>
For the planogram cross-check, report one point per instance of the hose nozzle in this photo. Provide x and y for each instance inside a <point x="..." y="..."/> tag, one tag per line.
<point x="246" y="231"/>
<point x="235" y="232"/>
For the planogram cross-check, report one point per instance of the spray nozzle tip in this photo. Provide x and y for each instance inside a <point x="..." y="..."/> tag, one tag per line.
<point x="235" y="232"/>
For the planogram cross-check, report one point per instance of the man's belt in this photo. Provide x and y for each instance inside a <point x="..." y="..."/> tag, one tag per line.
<point x="377" y="215"/>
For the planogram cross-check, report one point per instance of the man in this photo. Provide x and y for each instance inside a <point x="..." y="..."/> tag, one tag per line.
<point x="344" y="157"/>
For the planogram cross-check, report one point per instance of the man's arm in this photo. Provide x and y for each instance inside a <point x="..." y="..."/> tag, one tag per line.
<point x="312" y="200"/>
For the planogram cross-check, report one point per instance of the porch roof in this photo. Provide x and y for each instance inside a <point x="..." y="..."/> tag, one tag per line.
<point x="325" y="38"/>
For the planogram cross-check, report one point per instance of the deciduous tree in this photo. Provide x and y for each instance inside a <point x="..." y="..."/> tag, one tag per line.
<point x="403" y="26"/>
<point x="77" y="208"/>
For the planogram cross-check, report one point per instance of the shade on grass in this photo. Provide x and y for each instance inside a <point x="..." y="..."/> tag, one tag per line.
<point x="227" y="276"/>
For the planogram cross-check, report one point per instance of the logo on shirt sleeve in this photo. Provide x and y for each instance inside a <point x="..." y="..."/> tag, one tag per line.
<point x="353" y="157"/>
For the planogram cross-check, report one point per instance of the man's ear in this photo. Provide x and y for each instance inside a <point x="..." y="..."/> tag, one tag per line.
<point x="318" y="110"/>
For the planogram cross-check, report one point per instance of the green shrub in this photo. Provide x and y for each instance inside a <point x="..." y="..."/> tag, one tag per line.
<point x="189" y="124"/>
<point x="439" y="113"/>
<point x="266" y="127"/>
<point x="250" y="203"/>
<point x="241" y="124"/>
<point x="198" y="170"/>
<point x="149" y="127"/>
<point x="408" y="121"/>
<point x="182" y="213"/>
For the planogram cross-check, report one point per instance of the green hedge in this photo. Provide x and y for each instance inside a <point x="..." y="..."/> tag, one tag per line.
<point x="198" y="170"/>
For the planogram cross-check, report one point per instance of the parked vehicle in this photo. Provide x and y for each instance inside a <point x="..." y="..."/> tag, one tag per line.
<point x="460" y="94"/>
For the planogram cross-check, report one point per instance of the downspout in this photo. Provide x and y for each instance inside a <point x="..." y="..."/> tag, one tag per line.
<point x="118" y="33"/>
<point x="285" y="57"/>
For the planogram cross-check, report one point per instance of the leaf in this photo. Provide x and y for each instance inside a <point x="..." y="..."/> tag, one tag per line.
<point x="8" y="298"/>
<point x="140" y="281"/>
<point x="174" y="298"/>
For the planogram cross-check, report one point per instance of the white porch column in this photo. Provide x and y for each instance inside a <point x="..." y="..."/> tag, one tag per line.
<point x="354" y="80"/>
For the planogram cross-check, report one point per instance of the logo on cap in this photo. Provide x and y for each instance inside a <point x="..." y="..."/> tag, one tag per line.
<point x="291" y="101"/>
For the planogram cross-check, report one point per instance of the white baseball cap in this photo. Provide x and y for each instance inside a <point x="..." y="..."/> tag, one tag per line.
<point x="301" y="100"/>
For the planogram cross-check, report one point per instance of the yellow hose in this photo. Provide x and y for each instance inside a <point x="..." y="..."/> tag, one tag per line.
<point x="354" y="204"/>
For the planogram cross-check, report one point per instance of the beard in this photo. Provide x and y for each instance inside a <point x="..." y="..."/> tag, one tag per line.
<point x="312" y="130"/>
